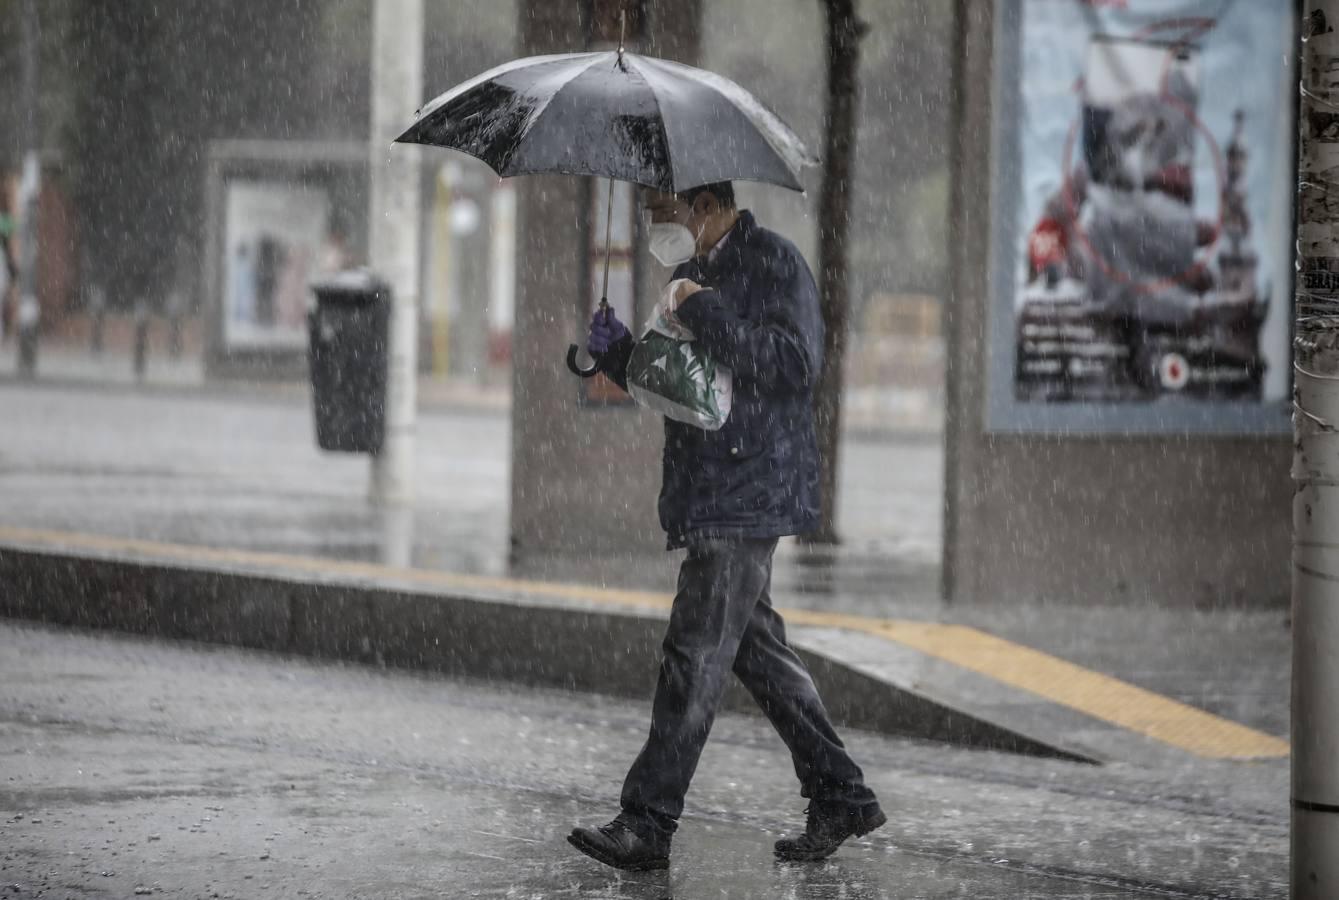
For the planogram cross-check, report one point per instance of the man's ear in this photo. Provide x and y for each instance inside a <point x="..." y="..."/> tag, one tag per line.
<point x="705" y="205"/>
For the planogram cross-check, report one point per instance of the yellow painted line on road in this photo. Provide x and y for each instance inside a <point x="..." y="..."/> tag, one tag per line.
<point x="1092" y="693"/>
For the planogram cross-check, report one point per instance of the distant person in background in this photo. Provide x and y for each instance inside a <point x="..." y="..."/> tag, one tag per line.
<point x="271" y="256"/>
<point x="291" y="286"/>
<point x="335" y="255"/>
<point x="243" y="286"/>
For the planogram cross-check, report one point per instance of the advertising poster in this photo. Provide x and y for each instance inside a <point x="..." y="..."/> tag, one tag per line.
<point x="1145" y="183"/>
<point x="275" y="233"/>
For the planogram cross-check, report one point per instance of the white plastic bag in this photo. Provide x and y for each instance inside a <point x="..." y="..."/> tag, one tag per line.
<point x="672" y="375"/>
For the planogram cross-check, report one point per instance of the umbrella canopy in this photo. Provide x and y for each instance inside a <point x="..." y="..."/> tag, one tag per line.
<point x="616" y="115"/>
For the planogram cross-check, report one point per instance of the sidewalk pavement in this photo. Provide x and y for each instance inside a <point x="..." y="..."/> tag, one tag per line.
<point x="136" y="766"/>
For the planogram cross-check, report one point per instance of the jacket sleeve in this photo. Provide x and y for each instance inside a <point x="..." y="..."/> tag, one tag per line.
<point x="614" y="363"/>
<point x="782" y="349"/>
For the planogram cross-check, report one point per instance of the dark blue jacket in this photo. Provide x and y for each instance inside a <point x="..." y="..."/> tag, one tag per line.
<point x="758" y="476"/>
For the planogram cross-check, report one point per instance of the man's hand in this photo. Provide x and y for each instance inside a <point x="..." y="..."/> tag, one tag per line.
<point x="682" y="289"/>
<point x="675" y="293"/>
<point x="605" y="331"/>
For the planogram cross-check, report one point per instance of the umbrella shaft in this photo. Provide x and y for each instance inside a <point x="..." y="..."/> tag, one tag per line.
<point x="608" y="230"/>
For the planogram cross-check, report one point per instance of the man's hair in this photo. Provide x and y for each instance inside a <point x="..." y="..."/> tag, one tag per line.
<point x="724" y="192"/>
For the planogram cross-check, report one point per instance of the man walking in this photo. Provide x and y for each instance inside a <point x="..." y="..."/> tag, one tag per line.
<point x="727" y="496"/>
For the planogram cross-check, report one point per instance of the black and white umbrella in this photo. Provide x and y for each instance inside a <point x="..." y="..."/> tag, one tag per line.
<point x="615" y="115"/>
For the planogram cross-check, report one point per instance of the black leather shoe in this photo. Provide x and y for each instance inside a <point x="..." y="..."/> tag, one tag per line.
<point x="618" y="845"/>
<point x="826" y="828"/>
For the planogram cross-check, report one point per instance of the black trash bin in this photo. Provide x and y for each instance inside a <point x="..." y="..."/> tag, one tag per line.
<point x="349" y="330"/>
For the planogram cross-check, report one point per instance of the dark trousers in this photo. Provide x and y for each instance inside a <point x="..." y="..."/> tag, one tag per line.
<point x="722" y="621"/>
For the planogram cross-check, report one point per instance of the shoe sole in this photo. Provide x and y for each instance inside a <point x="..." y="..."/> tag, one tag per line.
<point x="599" y="855"/>
<point x="868" y="826"/>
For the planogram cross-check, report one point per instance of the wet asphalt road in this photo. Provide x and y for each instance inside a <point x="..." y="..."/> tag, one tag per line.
<point x="188" y="771"/>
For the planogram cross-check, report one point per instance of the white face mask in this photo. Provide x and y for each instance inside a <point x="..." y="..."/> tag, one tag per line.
<point x="671" y="243"/>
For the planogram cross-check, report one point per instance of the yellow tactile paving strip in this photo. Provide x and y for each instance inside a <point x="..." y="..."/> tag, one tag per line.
<point x="1093" y="693"/>
<point x="1097" y="695"/>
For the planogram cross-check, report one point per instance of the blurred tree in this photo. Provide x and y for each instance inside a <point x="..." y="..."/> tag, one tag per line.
<point x="844" y="31"/>
<point x="125" y="142"/>
<point x="1315" y="582"/>
<point x="153" y="83"/>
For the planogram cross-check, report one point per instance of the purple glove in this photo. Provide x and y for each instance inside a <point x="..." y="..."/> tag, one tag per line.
<point x="605" y="331"/>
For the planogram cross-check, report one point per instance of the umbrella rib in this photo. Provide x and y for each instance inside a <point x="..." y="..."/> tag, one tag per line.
<point x="540" y="110"/>
<point x="660" y="117"/>
<point x="447" y="96"/>
<point x="779" y="137"/>
<point x="740" y="98"/>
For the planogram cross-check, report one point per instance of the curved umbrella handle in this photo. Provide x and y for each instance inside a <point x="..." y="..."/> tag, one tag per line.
<point x="572" y="350"/>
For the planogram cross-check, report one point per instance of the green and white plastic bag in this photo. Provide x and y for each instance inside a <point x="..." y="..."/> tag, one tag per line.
<point x="675" y="377"/>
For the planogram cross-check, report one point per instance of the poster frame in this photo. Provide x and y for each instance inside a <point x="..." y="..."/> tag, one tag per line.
<point x="1004" y="412"/>
<point x="337" y="167"/>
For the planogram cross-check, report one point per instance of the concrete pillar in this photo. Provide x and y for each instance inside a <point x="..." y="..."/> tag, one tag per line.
<point x="1315" y="659"/>
<point x="394" y="217"/>
<point x="30" y="191"/>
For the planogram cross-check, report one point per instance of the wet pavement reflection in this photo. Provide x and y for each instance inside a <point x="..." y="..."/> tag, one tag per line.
<point x="213" y="772"/>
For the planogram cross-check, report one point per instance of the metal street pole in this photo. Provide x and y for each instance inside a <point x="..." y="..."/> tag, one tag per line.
<point x="1315" y="602"/>
<point x="394" y="222"/>
<point x="29" y="189"/>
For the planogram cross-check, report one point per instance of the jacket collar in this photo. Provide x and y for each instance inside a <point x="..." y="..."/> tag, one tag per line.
<point x="731" y="254"/>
